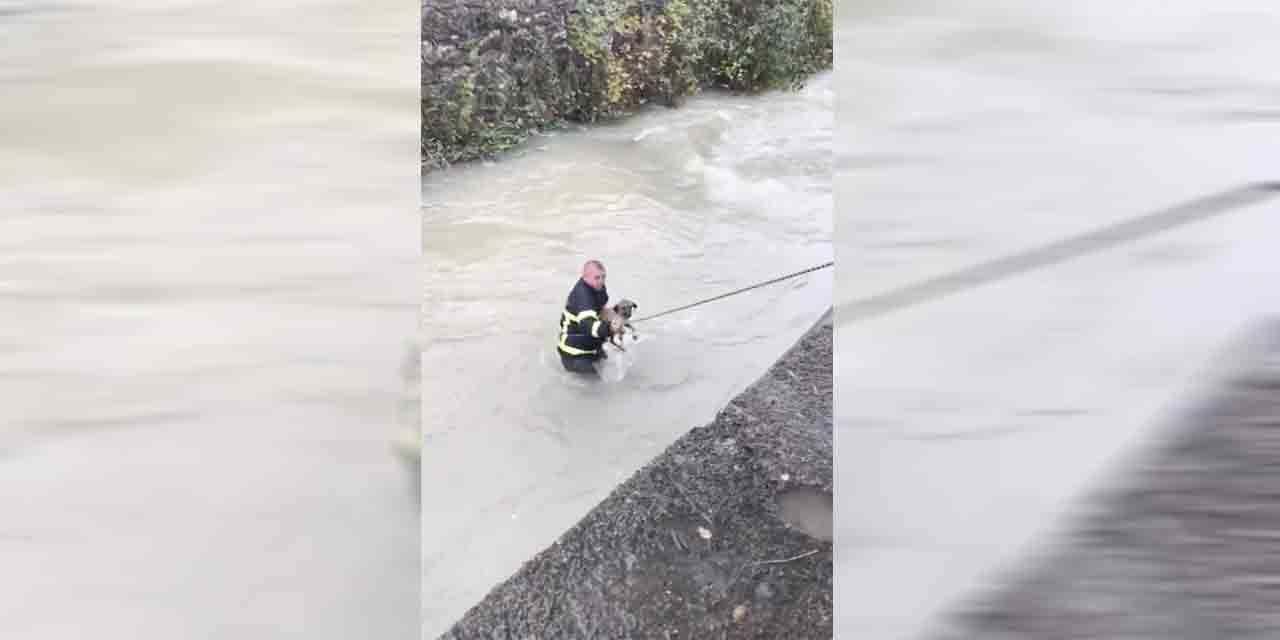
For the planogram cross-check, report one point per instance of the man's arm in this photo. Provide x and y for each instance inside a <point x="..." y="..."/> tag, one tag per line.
<point x="600" y="328"/>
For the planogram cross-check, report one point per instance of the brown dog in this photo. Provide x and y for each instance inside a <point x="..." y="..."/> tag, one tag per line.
<point x="619" y="318"/>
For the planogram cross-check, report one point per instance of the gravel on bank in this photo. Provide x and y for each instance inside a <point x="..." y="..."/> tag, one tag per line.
<point x="696" y="544"/>
<point x="1187" y="547"/>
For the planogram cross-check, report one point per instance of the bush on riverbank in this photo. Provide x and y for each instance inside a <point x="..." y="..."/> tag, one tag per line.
<point x="494" y="71"/>
<point x="752" y="45"/>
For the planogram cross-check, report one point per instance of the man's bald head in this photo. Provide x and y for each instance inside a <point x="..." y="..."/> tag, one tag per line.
<point x="593" y="274"/>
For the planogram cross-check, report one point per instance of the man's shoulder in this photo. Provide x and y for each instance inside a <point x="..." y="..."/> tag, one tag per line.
<point x="579" y="295"/>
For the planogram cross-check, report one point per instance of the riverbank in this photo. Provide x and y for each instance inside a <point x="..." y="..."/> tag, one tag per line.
<point x="697" y="542"/>
<point x="495" y="72"/>
<point x="1185" y="548"/>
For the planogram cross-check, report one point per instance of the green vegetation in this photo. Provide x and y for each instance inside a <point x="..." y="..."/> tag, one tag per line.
<point x="493" y="77"/>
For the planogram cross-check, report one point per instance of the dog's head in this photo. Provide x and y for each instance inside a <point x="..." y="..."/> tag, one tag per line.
<point x="625" y="308"/>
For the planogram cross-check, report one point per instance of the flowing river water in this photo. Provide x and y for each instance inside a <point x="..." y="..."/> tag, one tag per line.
<point x="208" y="279"/>
<point x="680" y="205"/>
<point x="968" y="425"/>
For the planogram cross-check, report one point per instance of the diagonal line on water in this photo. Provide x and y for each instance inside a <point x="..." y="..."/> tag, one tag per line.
<point x="1073" y="247"/>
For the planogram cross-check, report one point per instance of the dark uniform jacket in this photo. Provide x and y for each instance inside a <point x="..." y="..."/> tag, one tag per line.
<point x="581" y="331"/>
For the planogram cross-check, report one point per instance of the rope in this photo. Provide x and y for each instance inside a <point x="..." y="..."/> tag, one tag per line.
<point x="733" y="293"/>
<point x="1073" y="247"/>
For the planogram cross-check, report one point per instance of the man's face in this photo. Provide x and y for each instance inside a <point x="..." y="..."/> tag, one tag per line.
<point x="594" y="278"/>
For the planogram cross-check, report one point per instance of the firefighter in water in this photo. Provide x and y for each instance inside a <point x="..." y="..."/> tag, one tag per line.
<point x="582" y="332"/>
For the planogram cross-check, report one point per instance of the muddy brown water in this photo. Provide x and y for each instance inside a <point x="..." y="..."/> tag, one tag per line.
<point x="679" y="205"/>
<point x="978" y="129"/>
<point x="809" y="511"/>
<point x="208" y="275"/>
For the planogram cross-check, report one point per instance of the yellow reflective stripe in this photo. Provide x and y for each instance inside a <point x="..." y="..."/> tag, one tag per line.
<point x="569" y="319"/>
<point x="595" y="329"/>
<point x="573" y="351"/>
